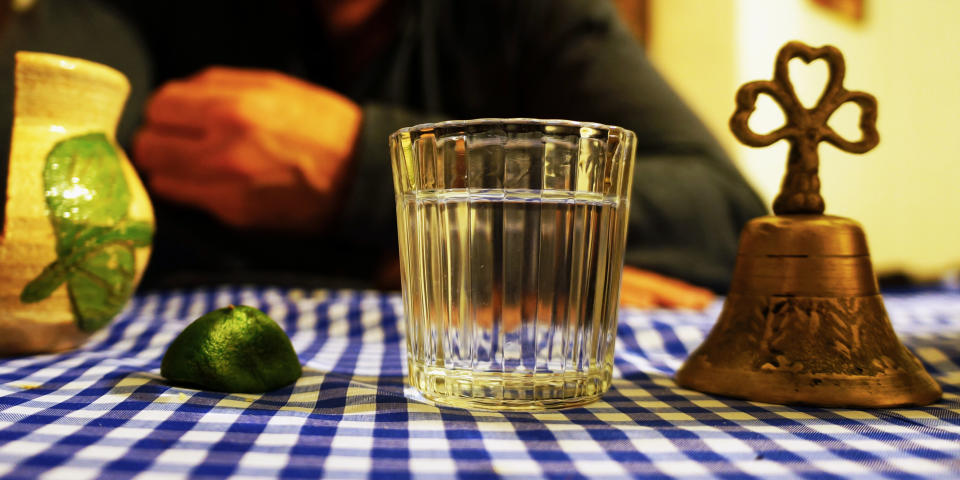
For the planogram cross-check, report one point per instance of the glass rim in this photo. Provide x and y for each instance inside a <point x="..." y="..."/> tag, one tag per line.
<point x="509" y="121"/>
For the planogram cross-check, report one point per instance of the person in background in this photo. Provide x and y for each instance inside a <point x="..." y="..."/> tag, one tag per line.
<point x="264" y="146"/>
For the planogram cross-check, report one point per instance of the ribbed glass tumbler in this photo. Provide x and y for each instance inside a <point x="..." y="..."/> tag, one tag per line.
<point x="511" y="247"/>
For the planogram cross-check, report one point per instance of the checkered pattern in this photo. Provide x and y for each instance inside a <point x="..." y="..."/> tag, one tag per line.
<point x="103" y="411"/>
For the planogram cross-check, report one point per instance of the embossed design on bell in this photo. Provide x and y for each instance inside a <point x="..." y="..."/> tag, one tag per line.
<point x="804" y="322"/>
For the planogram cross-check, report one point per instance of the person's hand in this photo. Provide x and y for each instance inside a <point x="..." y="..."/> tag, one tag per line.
<point x="643" y="289"/>
<point x="255" y="148"/>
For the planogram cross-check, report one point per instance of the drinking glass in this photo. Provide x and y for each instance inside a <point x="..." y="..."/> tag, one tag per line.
<point x="512" y="234"/>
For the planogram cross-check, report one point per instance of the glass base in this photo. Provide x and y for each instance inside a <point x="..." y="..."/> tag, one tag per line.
<point x="518" y="390"/>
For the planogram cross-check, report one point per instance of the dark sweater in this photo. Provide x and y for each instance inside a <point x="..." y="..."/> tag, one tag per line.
<point x="447" y="59"/>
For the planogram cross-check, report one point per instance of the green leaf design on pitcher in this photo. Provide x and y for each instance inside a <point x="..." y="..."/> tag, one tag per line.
<point x="88" y="200"/>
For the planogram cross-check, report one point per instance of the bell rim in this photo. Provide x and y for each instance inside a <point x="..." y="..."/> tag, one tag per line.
<point x="911" y="388"/>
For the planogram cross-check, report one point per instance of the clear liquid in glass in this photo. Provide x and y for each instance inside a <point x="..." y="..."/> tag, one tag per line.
<point x="511" y="296"/>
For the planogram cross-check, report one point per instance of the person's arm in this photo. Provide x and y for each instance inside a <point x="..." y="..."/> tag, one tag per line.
<point x="367" y="215"/>
<point x="262" y="152"/>
<point x="249" y="147"/>
<point x="689" y="202"/>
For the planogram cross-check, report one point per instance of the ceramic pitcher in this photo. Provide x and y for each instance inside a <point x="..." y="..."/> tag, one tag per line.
<point x="78" y="224"/>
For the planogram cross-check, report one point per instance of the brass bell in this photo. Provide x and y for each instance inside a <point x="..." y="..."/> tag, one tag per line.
<point x="804" y="322"/>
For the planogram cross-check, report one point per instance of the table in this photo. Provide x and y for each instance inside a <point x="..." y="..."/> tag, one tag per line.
<point x="103" y="411"/>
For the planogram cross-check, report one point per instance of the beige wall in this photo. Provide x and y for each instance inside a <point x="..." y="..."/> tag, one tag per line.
<point x="906" y="192"/>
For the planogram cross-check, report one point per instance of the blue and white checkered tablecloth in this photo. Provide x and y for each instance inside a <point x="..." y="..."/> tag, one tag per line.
<point x="104" y="412"/>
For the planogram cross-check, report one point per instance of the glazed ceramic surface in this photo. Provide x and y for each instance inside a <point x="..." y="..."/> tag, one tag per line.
<point x="78" y="224"/>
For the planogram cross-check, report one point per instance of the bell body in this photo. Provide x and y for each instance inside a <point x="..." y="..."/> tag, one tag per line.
<point x="67" y="263"/>
<point x="804" y="323"/>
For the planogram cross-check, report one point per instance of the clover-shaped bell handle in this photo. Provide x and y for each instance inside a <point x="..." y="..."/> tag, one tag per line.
<point x="804" y="128"/>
